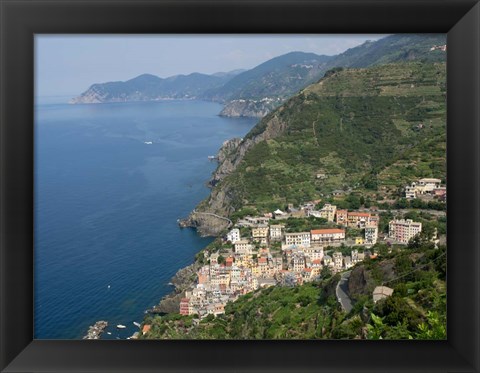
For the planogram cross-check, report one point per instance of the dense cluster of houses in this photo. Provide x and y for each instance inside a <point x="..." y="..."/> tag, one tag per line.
<point x="271" y="255"/>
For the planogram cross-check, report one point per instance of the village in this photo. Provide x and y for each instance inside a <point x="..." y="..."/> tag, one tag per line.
<point x="267" y="254"/>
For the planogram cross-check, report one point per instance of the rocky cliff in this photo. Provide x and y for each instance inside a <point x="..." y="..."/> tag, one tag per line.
<point x="184" y="279"/>
<point x="249" y="108"/>
<point x="362" y="280"/>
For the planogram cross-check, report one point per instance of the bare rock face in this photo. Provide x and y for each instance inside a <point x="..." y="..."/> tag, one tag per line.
<point x="234" y="151"/>
<point x="357" y="283"/>
<point x="206" y="225"/>
<point x="361" y="281"/>
<point x="225" y="156"/>
<point x="248" y="108"/>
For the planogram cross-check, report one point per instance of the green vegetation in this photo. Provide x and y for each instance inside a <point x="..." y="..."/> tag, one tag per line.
<point x="306" y="224"/>
<point x="373" y="129"/>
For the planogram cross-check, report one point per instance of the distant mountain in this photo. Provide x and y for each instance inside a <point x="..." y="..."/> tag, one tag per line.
<point x="147" y="87"/>
<point x="229" y="73"/>
<point x="258" y="91"/>
<point x="279" y="77"/>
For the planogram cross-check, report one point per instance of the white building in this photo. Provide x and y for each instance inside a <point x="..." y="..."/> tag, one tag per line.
<point x="276" y="232"/>
<point x="338" y="260"/>
<point x="328" y="212"/>
<point x="411" y="191"/>
<point x="371" y="234"/>
<point x="327" y="260"/>
<point x="429" y="184"/>
<point x="297" y="239"/>
<point x="314" y="253"/>
<point x="423" y="186"/>
<point x="214" y="259"/>
<point x="234" y="235"/>
<point x="298" y="262"/>
<point x="348" y="262"/>
<point x="403" y="230"/>
<point x="260" y="233"/>
<point x="243" y="247"/>
<point x="327" y="235"/>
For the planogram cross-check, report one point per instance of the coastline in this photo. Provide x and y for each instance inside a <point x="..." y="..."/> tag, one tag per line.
<point x="182" y="280"/>
<point x="205" y="224"/>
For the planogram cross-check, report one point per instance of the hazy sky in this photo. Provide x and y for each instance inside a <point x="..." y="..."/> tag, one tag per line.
<point x="68" y="65"/>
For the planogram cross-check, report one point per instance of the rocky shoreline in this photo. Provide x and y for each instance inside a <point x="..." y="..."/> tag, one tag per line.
<point x="182" y="280"/>
<point x="95" y="331"/>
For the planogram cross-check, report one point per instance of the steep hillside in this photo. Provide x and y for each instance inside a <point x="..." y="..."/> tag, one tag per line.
<point x="360" y="127"/>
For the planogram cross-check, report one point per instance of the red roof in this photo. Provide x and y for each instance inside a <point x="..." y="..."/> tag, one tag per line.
<point x="316" y="261"/>
<point x="262" y="260"/>
<point x="184" y="300"/>
<point x="324" y="231"/>
<point x="146" y="328"/>
<point x="366" y="214"/>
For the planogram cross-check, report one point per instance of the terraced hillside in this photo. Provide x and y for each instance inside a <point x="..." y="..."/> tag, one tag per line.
<point x="370" y="129"/>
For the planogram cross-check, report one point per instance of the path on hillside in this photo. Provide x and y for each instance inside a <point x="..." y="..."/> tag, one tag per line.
<point x="314" y="132"/>
<point x="342" y="292"/>
<point x="230" y="223"/>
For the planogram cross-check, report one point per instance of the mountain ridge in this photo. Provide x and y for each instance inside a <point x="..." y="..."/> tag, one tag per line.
<point x="256" y="92"/>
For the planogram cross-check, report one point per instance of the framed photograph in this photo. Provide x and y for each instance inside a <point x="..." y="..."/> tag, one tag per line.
<point x="310" y="146"/>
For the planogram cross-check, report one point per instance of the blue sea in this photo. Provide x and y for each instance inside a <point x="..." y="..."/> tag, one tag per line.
<point x="106" y="207"/>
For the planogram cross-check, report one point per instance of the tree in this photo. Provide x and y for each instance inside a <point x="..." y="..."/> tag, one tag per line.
<point x="401" y="203"/>
<point x="326" y="272"/>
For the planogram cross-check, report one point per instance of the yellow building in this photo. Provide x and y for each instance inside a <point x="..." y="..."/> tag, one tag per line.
<point x="358" y="241"/>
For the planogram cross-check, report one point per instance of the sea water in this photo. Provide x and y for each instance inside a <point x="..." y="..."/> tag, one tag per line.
<point x="107" y="202"/>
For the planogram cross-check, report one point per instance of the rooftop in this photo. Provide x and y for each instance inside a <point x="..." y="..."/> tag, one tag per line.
<point x="328" y="230"/>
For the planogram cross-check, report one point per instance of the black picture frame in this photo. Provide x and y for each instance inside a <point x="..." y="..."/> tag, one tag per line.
<point x="21" y="19"/>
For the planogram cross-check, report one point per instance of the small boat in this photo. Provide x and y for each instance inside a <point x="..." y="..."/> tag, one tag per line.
<point x="109" y="333"/>
<point x="148" y="142"/>
<point x="137" y="324"/>
<point x="120" y="326"/>
<point x="212" y="157"/>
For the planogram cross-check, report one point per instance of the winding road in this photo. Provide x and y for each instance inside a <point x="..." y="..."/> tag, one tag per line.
<point x="342" y="292"/>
